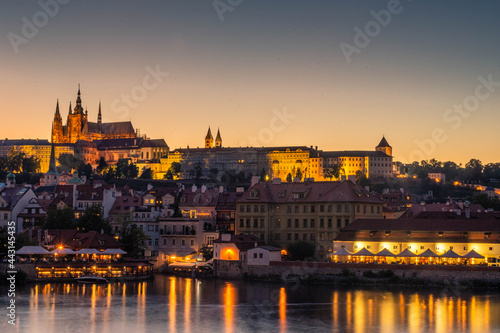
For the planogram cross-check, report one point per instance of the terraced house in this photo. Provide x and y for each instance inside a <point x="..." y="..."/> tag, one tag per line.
<point x="282" y="213"/>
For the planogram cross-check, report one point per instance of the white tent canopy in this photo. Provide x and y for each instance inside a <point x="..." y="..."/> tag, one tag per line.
<point x="113" y="251"/>
<point x="64" y="250"/>
<point x="88" y="251"/>
<point x="32" y="250"/>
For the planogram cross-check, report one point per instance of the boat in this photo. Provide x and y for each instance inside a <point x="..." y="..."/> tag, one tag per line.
<point x="91" y="279"/>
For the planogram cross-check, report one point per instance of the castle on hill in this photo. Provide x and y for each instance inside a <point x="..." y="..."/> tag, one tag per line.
<point x="79" y="128"/>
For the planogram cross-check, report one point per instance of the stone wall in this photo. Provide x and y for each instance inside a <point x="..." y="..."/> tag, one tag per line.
<point x="238" y="269"/>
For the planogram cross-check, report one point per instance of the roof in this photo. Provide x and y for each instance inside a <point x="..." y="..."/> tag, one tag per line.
<point x="12" y="195"/>
<point x="111" y="128"/>
<point x="80" y="240"/>
<point x="457" y="223"/>
<point x="383" y="143"/>
<point x="269" y="248"/>
<point x="197" y="198"/>
<point x="118" y="143"/>
<point x="24" y="142"/>
<point x="242" y="242"/>
<point x="154" y="143"/>
<point x="124" y="204"/>
<point x="313" y="192"/>
<point x="353" y="153"/>
<point x="227" y="200"/>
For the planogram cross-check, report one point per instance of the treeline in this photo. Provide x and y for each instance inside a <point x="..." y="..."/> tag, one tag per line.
<point x="474" y="171"/>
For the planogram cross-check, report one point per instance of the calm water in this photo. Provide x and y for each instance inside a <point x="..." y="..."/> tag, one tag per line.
<point x="174" y="304"/>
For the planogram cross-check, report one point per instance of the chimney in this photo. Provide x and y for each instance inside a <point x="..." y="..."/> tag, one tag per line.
<point x="194" y="188"/>
<point x="221" y="189"/>
<point x="203" y="189"/>
<point x="102" y="231"/>
<point x="467" y="213"/>
<point x="226" y="237"/>
<point x="240" y="189"/>
<point x="255" y="180"/>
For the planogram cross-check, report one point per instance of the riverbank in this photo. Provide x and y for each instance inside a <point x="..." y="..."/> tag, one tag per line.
<point x="465" y="277"/>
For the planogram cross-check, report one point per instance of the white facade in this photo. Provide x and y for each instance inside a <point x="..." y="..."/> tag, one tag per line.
<point x="263" y="255"/>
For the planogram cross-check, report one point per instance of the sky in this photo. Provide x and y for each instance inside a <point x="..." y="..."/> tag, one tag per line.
<point x="334" y="74"/>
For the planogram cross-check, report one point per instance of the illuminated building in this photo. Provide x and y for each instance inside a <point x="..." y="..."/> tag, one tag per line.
<point x="235" y="247"/>
<point x="282" y="213"/>
<point x="437" y="231"/>
<point x="79" y="128"/>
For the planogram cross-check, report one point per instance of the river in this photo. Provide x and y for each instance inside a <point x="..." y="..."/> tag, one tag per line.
<point x="177" y="304"/>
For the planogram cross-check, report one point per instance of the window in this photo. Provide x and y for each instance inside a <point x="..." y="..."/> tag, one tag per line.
<point x="288" y="209"/>
<point x="261" y="255"/>
<point x="330" y="223"/>
<point x="395" y="247"/>
<point x="312" y="237"/>
<point x="422" y="247"/>
<point x="289" y="223"/>
<point x="304" y="236"/>
<point x="289" y="236"/>
<point x="255" y="255"/>
<point x="347" y="208"/>
<point x="378" y="209"/>
<point x="296" y="236"/>
<point x="241" y="223"/>
<point x="255" y="223"/>
<point x="321" y="208"/>
<point x="248" y="208"/>
<point x="322" y="237"/>
<point x="357" y="208"/>
<point x="296" y="223"/>
<point x="278" y="223"/>
<point x="242" y="208"/>
<point x="321" y="223"/>
<point x="330" y="208"/>
<point x="339" y="223"/>
<point x="313" y="223"/>
<point x="262" y="223"/>
<point x="151" y="227"/>
<point x="313" y="209"/>
<point x="173" y="241"/>
<point x="183" y="242"/>
<point x="304" y="223"/>
<point x="296" y="209"/>
<point x="491" y="248"/>
<point x="305" y="209"/>
<point x="248" y="223"/>
<point x="346" y="222"/>
<point x="372" y="209"/>
<point x="364" y="209"/>
<point x="255" y="208"/>
<point x="192" y="242"/>
<point x="164" y="241"/>
<point x="263" y="209"/>
<point x="339" y="208"/>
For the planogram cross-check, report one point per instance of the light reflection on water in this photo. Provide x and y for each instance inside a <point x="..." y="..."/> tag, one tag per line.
<point x="174" y="304"/>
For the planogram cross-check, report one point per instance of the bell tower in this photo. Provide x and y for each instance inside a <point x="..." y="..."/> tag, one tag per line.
<point x="209" y="139"/>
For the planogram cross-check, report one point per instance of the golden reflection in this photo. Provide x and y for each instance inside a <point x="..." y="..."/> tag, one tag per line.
<point x="187" y="305"/>
<point x="359" y="312"/>
<point x="486" y="312"/>
<point x="414" y="314"/>
<point x="387" y="313"/>
<point x="451" y="317"/>
<point x="93" y="299"/>
<point x="441" y="315"/>
<point x="402" y="309"/>
<point x="370" y="312"/>
<point x="141" y="303"/>
<point x="172" y="304"/>
<point x="282" y="309"/>
<point x="229" y="301"/>
<point x="431" y="311"/>
<point x="349" y="308"/>
<point x="335" y="309"/>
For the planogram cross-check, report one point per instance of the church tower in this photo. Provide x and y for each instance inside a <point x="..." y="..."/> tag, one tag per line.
<point x="384" y="147"/>
<point x="209" y="139"/>
<point x="218" y="140"/>
<point x="57" y="127"/>
<point x="76" y="120"/>
<point x="99" y="116"/>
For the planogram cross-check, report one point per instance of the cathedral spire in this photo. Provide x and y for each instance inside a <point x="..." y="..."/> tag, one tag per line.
<point x="69" y="108"/>
<point x="218" y="139"/>
<point x="209" y="139"/>
<point x="78" y="107"/>
<point x="58" y="115"/>
<point x="99" y="115"/>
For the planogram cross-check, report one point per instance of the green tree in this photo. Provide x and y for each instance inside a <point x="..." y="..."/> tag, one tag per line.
<point x="263" y="175"/>
<point x="289" y="177"/>
<point x="15" y="160"/>
<point x="168" y="175"/>
<point x="299" y="174"/>
<point x="30" y="164"/>
<point x="102" y="165"/>
<point x="85" y="169"/>
<point x="59" y="219"/>
<point x="133" y="239"/>
<point x="175" y="169"/>
<point x="147" y="174"/>
<point x="213" y="173"/>
<point x="68" y="162"/>
<point x="92" y="220"/>
<point x="474" y="170"/>
<point x="198" y="172"/>
<point x="361" y="179"/>
<point x="206" y="252"/>
<point x="300" y="250"/>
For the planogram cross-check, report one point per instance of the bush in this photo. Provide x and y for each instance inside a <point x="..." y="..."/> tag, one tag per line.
<point x="369" y="274"/>
<point x="386" y="273"/>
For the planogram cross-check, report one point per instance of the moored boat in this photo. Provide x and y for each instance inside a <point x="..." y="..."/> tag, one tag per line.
<point x="91" y="279"/>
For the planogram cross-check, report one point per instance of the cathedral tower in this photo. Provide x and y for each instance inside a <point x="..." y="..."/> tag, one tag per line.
<point x="57" y="127"/>
<point x="218" y="140"/>
<point x="209" y="139"/>
<point x="384" y="147"/>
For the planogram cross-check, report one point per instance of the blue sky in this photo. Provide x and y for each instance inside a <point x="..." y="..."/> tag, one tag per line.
<point x="264" y="58"/>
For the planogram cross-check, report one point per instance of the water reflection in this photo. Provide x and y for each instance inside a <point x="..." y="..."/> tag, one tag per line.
<point x="189" y="305"/>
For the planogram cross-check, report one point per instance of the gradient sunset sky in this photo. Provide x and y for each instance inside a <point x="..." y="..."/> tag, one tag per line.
<point x="264" y="57"/>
